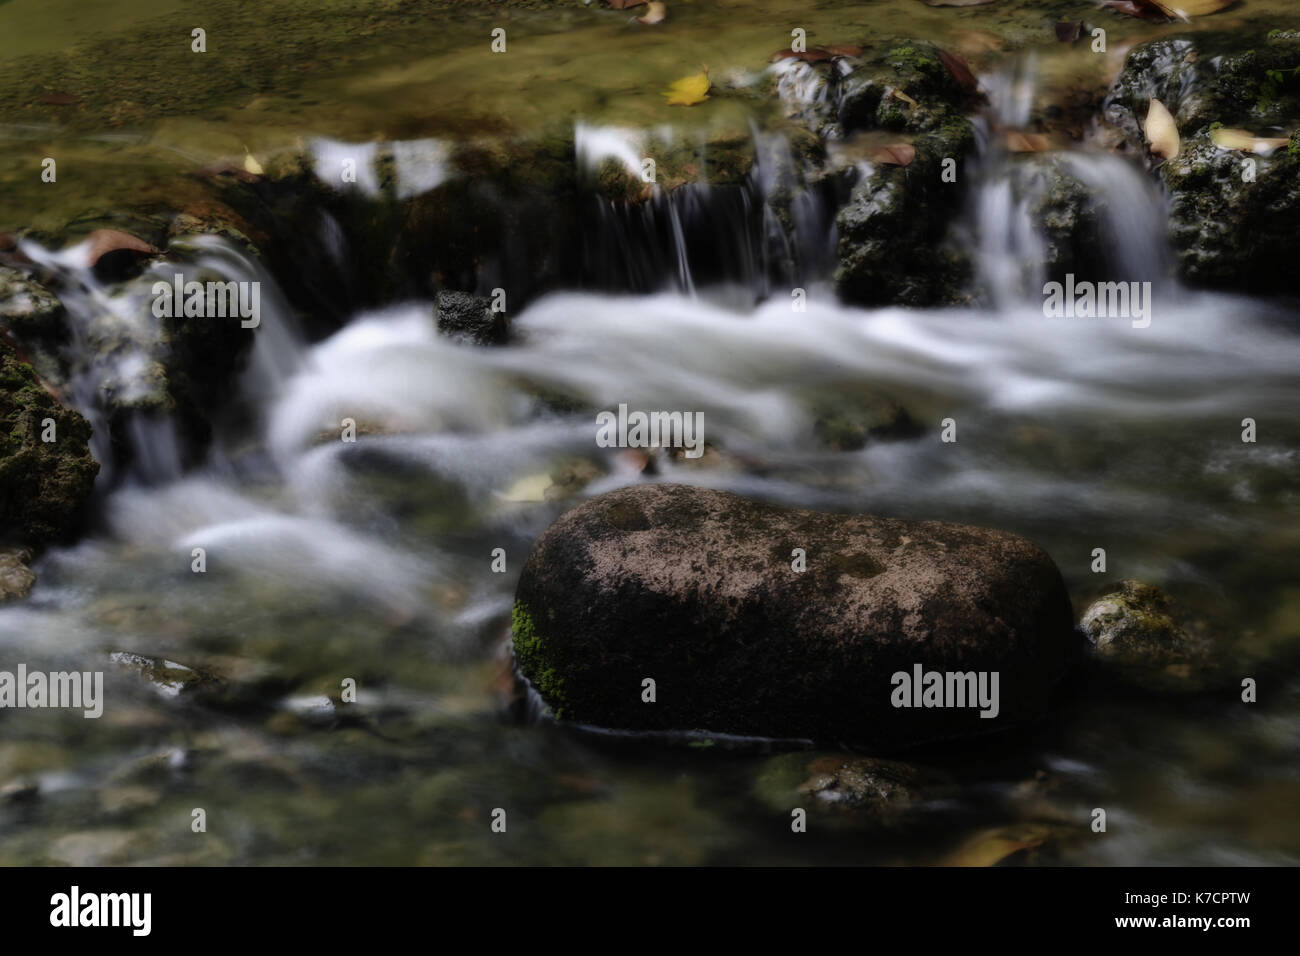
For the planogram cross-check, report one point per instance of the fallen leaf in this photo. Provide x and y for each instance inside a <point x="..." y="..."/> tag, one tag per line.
<point x="624" y="4"/>
<point x="689" y="90"/>
<point x="1185" y="9"/>
<point x="226" y="169"/>
<point x="528" y="488"/>
<point x="251" y="164"/>
<point x="900" y="95"/>
<point x="59" y="99"/>
<point x="1018" y="142"/>
<point x="842" y="49"/>
<point x="975" y="42"/>
<point x="955" y="3"/>
<point x="899" y="154"/>
<point x="1142" y="9"/>
<point x="1069" y="32"/>
<point x="655" y="12"/>
<point x="1161" y="131"/>
<point x="815" y="55"/>
<point x="994" y="845"/>
<point x="103" y="241"/>
<point x="960" y="71"/>
<point x="1243" y="140"/>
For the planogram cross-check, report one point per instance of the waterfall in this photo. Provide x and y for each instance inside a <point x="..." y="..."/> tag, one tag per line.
<point x="1039" y="214"/>
<point x="119" y="366"/>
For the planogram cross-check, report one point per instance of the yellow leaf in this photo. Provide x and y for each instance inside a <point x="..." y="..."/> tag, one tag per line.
<point x="251" y="164"/>
<point x="994" y="845"/>
<point x="1183" y="9"/>
<point x="1161" y="131"/>
<point x="1241" y="139"/>
<point x="528" y="488"/>
<point x="689" y="90"/>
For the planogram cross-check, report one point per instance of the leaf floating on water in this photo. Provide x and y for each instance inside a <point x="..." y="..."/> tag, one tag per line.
<point x="897" y="154"/>
<point x="655" y="12"/>
<point x="815" y="55"/>
<point x="1069" y="32"/>
<point x="1161" y="131"/>
<point x="689" y="90"/>
<point x="1142" y="9"/>
<point x="960" y="71"/>
<point x="624" y="4"/>
<point x="528" y="488"/>
<point x="104" y="241"/>
<point x="955" y="3"/>
<point x="989" y="847"/>
<point x="1243" y="140"/>
<point x="251" y="164"/>
<point x="843" y="49"/>
<point x="59" y="99"/>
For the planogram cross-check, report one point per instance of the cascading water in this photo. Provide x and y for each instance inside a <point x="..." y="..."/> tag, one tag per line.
<point x="329" y="559"/>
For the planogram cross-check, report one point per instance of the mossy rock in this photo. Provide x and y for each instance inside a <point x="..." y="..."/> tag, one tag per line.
<point x="1136" y="630"/>
<point x="847" y="790"/>
<point x="42" y="484"/>
<point x="1232" y="214"/>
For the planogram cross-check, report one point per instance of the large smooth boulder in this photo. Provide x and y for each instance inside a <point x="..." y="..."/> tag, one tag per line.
<point x="696" y="590"/>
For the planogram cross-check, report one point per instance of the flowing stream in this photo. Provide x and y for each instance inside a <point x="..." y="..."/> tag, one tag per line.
<point x="371" y="560"/>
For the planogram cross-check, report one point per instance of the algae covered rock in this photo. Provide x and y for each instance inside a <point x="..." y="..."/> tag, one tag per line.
<point x="847" y="789"/>
<point x="1136" y="628"/>
<point x="696" y="591"/>
<point x="42" y="483"/>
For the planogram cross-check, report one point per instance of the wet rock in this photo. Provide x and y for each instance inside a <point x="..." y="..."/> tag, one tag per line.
<point x="469" y="318"/>
<point x="847" y="789"/>
<point x="894" y="233"/>
<point x="16" y="578"/>
<point x="1137" y="630"/>
<point x="695" y="590"/>
<point x="167" y="678"/>
<point x="43" y="484"/>
<point x="34" y="317"/>
<point x="1228" y="232"/>
<point x="850" y="424"/>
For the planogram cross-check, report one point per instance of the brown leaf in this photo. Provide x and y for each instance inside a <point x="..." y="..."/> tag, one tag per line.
<point x="1018" y="142"/>
<point x="1069" y="32"/>
<point x="955" y="3"/>
<point x="842" y="49"/>
<point x="896" y="154"/>
<point x="960" y="71"/>
<point x="104" y="241"/>
<point x="1143" y="9"/>
<point x="815" y="55"/>
<point x="624" y="4"/>
<point x="59" y="99"/>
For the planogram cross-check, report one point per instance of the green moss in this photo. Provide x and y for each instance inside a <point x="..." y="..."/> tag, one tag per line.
<point x="530" y="654"/>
